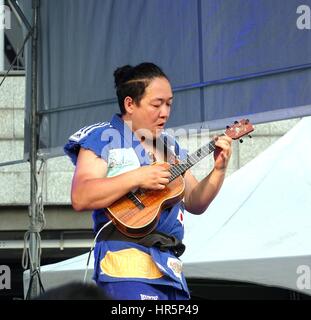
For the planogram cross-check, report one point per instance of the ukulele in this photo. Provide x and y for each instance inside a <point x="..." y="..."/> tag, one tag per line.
<point x="136" y="214"/>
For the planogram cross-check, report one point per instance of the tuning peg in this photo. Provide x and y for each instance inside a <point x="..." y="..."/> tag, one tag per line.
<point x="241" y="140"/>
<point x="250" y="136"/>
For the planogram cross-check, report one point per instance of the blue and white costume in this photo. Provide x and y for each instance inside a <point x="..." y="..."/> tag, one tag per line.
<point x="122" y="261"/>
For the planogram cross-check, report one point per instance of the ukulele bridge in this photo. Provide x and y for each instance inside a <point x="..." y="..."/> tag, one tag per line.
<point x="136" y="200"/>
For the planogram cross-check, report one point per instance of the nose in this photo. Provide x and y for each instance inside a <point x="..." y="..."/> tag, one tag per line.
<point x="165" y="111"/>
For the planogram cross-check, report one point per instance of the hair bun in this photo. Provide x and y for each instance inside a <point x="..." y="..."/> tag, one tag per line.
<point x="122" y="74"/>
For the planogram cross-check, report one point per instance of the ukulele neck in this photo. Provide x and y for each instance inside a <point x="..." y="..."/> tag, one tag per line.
<point x="178" y="169"/>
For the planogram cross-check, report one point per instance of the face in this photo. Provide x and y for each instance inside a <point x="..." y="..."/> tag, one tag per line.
<point x="149" y="117"/>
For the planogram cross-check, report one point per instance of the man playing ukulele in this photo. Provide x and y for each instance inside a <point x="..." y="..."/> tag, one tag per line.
<point x="112" y="159"/>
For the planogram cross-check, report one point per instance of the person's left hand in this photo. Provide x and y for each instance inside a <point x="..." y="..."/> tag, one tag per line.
<point x="222" y="152"/>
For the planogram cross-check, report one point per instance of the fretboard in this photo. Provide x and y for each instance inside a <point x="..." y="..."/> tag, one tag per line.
<point x="178" y="169"/>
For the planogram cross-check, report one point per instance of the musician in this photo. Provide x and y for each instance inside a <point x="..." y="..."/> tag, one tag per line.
<point x="112" y="159"/>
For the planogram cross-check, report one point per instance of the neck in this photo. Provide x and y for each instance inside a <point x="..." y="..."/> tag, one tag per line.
<point x="142" y="134"/>
<point x="128" y="121"/>
<point x="180" y="168"/>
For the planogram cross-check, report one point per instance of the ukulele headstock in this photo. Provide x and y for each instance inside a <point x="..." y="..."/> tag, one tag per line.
<point x="239" y="129"/>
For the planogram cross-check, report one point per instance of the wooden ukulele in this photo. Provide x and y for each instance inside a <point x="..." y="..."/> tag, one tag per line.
<point x="137" y="213"/>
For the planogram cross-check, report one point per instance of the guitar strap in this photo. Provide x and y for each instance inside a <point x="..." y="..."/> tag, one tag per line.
<point x="161" y="240"/>
<point x="169" y="155"/>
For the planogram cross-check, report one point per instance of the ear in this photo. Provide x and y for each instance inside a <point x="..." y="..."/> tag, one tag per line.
<point x="128" y="105"/>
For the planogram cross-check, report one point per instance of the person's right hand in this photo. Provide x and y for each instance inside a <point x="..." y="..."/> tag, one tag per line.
<point x="153" y="177"/>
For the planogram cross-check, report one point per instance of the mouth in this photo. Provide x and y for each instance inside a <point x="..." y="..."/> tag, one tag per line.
<point x="161" y="125"/>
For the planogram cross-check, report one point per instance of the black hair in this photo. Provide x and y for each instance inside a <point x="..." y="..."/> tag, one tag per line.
<point x="133" y="81"/>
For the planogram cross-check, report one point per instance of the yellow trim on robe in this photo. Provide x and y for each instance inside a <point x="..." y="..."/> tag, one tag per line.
<point x="129" y="263"/>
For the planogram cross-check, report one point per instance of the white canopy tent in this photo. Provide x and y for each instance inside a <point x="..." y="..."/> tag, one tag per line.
<point x="257" y="230"/>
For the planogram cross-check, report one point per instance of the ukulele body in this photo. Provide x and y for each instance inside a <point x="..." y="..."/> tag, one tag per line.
<point x="140" y="217"/>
